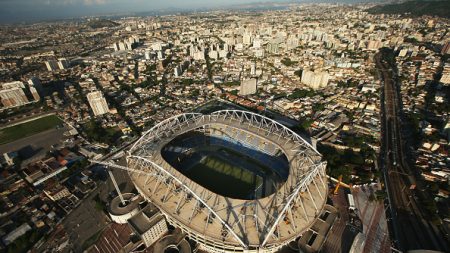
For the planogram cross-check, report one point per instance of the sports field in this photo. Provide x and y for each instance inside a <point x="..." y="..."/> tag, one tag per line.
<point x="226" y="166"/>
<point x="20" y="131"/>
<point x="224" y="177"/>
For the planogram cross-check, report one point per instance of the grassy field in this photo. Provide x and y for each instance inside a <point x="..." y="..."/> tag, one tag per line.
<point x="20" y="131"/>
<point x="219" y="175"/>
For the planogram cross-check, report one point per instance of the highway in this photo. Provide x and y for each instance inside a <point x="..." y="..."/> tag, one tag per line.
<point x="410" y="226"/>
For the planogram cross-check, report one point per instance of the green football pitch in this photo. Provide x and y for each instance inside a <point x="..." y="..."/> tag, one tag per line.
<point x="10" y="134"/>
<point x="216" y="173"/>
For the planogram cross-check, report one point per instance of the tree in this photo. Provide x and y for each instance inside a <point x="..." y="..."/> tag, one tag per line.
<point x="298" y="72"/>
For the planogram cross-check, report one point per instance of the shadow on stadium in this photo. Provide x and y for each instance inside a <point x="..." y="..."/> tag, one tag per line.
<point x="229" y="166"/>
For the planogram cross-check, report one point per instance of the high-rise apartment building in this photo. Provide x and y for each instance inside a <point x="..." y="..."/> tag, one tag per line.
<point x="97" y="103"/>
<point x="253" y="69"/>
<point x="248" y="87"/>
<point x="247" y="39"/>
<point x="36" y="88"/>
<point x="315" y="80"/>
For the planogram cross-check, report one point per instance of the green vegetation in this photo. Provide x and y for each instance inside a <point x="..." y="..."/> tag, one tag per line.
<point x="234" y="92"/>
<point x="288" y="62"/>
<point x="298" y="72"/>
<point x="304" y="125"/>
<point x="347" y="84"/>
<point x="301" y="93"/>
<point x="99" y="204"/>
<point x="357" y="141"/>
<point x="379" y="195"/>
<point x="20" y="131"/>
<point x="78" y="165"/>
<point x="96" y="132"/>
<point x="195" y="93"/>
<point x="318" y="107"/>
<point x="341" y="162"/>
<point x="415" y="8"/>
<point x="19" y="111"/>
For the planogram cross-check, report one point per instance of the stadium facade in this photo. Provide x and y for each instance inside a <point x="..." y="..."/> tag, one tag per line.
<point x="272" y="206"/>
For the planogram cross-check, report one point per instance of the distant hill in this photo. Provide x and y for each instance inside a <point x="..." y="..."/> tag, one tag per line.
<point x="415" y="8"/>
<point x="100" y="23"/>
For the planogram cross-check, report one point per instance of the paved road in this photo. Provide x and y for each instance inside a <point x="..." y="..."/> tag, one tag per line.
<point x="409" y="228"/>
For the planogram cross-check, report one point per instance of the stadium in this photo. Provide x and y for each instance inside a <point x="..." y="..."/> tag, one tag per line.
<point x="232" y="180"/>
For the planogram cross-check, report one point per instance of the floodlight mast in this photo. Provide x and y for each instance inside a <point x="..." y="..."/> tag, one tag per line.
<point x="116" y="186"/>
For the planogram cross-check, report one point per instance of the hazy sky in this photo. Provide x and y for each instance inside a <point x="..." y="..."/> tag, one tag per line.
<point x="29" y="10"/>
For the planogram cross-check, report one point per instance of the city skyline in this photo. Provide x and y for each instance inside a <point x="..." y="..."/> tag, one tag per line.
<point x="16" y="11"/>
<point x="280" y="128"/>
<point x="41" y="10"/>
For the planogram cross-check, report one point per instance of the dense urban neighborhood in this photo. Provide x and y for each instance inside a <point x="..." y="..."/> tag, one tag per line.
<point x="369" y="91"/>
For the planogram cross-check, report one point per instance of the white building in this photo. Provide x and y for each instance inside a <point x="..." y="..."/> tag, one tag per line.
<point x="120" y="213"/>
<point x="248" y="87"/>
<point x="97" y="103"/>
<point x="253" y="69"/>
<point x="147" y="55"/>
<point x="149" y="224"/>
<point x="315" y="80"/>
<point x="161" y="55"/>
<point x="247" y="39"/>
